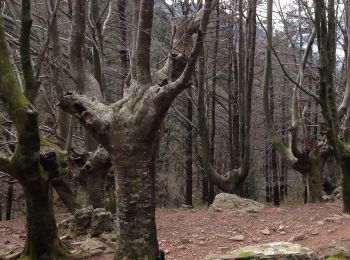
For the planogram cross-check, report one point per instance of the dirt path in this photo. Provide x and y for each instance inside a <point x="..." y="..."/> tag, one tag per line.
<point x="192" y="234"/>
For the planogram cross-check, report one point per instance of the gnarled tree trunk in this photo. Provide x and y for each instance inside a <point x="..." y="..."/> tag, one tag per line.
<point x="30" y="164"/>
<point x="95" y="173"/>
<point x="128" y="129"/>
<point x="42" y="240"/>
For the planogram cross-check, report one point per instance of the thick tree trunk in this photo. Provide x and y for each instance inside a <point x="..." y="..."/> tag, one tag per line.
<point x="95" y="172"/>
<point x="42" y="241"/>
<point x="315" y="179"/>
<point x="128" y="129"/>
<point x="345" y="170"/>
<point x="136" y="227"/>
<point x="95" y="188"/>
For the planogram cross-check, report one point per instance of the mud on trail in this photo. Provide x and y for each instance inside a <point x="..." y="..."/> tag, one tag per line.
<point x="191" y="234"/>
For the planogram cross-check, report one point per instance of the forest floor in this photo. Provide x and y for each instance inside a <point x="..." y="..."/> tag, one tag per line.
<point x="191" y="234"/>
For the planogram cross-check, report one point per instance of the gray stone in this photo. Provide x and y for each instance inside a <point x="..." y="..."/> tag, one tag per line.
<point x="88" y="221"/>
<point x="266" y="231"/>
<point x="298" y="237"/>
<point x="94" y="246"/>
<point x="237" y="238"/>
<point x="82" y="219"/>
<point x="232" y="201"/>
<point x="111" y="237"/>
<point x="271" y="251"/>
<point x="101" y="222"/>
<point x="337" y="193"/>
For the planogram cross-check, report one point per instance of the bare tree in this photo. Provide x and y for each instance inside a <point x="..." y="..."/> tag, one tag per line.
<point x="34" y="163"/>
<point x="128" y="129"/>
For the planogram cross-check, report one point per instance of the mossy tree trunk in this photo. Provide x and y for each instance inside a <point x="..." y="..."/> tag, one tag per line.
<point x="325" y="24"/>
<point x="33" y="166"/>
<point x="42" y="240"/>
<point x="310" y="161"/>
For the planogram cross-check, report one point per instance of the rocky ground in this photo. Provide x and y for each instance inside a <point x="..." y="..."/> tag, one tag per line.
<point x="194" y="233"/>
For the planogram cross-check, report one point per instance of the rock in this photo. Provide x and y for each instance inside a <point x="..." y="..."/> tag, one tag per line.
<point x="82" y="220"/>
<point x="316" y="217"/>
<point x="281" y="228"/>
<point x="326" y="198"/>
<point x="185" y="206"/>
<point x="266" y="231"/>
<point x="237" y="238"/>
<point x="232" y="201"/>
<point x="182" y="247"/>
<point x="341" y="254"/>
<point x="65" y="237"/>
<point x="334" y="219"/>
<point x="298" y="237"/>
<point x="337" y="191"/>
<point x="111" y="237"/>
<point x="185" y="240"/>
<point x="314" y="232"/>
<point x="93" y="246"/>
<point x="215" y="209"/>
<point x="89" y="222"/>
<point x="320" y="222"/>
<point x="64" y="224"/>
<point x="271" y="251"/>
<point x="101" y="222"/>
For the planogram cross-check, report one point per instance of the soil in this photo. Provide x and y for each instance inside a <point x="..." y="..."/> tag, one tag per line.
<point x="191" y="234"/>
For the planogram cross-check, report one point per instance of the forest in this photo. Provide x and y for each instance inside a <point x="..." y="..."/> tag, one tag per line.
<point x="174" y="129"/>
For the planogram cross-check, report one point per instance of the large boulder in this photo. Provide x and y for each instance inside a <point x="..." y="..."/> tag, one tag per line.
<point x="271" y="251"/>
<point x="232" y="201"/>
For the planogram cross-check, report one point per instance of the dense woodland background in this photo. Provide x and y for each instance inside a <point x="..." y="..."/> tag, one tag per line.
<point x="215" y="127"/>
<point x="292" y="28"/>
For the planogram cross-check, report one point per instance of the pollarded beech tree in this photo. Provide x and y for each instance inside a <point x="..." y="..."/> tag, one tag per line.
<point x="335" y="139"/>
<point x="128" y="129"/>
<point x="310" y="160"/>
<point x="245" y="82"/>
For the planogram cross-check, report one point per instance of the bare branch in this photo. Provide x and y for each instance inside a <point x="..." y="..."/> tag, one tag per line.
<point x="143" y="41"/>
<point x="182" y="82"/>
<point x="31" y="83"/>
<point x="94" y="115"/>
<point x="44" y="48"/>
<point x="344" y="106"/>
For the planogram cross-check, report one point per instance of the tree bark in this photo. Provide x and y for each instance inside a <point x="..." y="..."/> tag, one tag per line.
<point x="33" y="170"/>
<point x="42" y="240"/>
<point x="189" y="137"/>
<point x="136" y="204"/>
<point x="128" y="130"/>
<point x="65" y="193"/>
<point x="95" y="172"/>
<point x="9" y="201"/>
